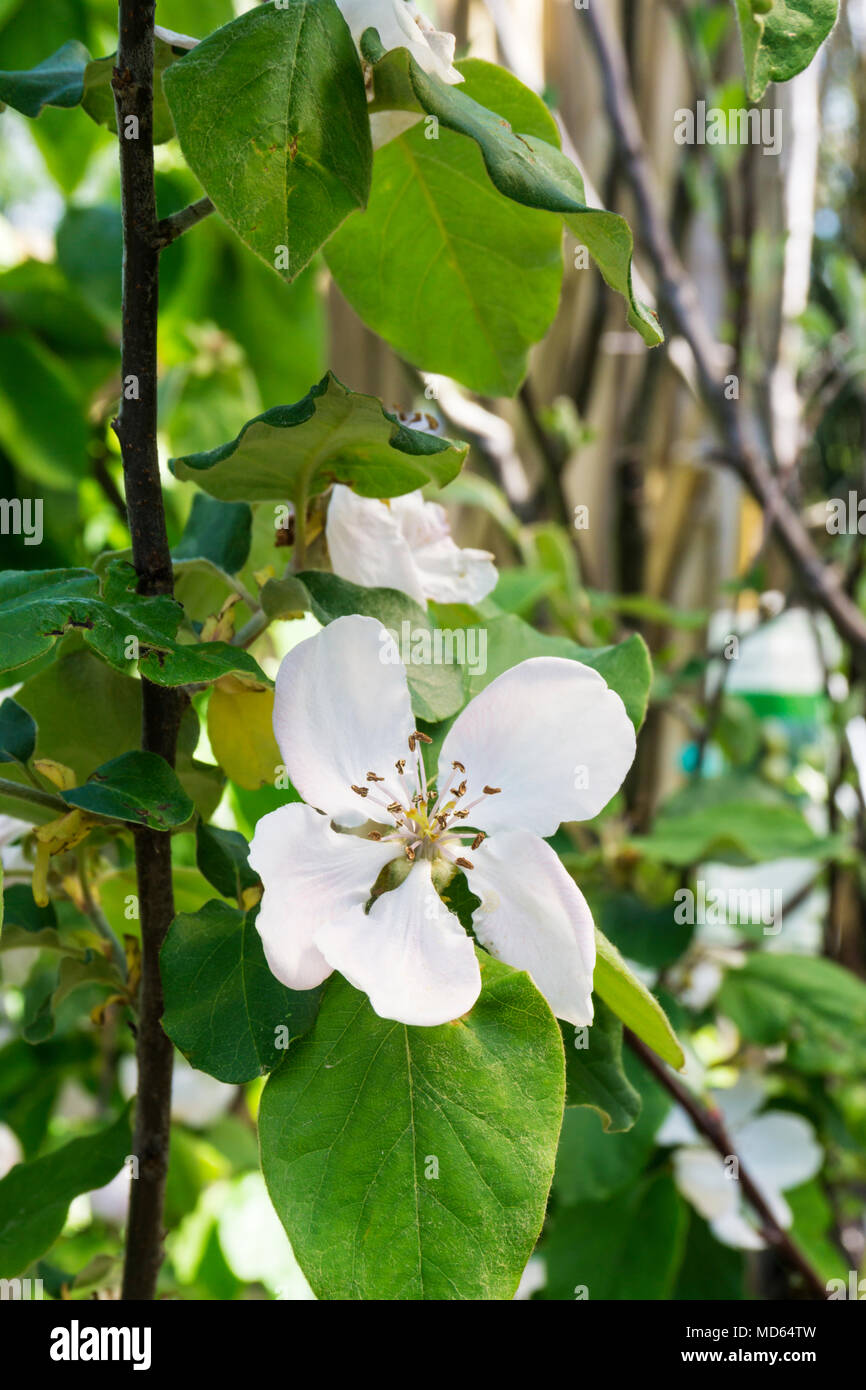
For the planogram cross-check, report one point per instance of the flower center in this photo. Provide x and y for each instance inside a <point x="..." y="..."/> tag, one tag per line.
<point x="427" y="823"/>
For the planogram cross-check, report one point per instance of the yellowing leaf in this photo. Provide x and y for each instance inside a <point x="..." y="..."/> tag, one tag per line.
<point x="240" y="729"/>
<point x="62" y="776"/>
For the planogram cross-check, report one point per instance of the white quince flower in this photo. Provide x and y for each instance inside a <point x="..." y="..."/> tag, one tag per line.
<point x="545" y="742"/>
<point x="778" y="1149"/>
<point x="401" y="24"/>
<point x="12" y="856"/>
<point x="196" y="1098"/>
<point x="404" y="543"/>
<point x="10" y="1150"/>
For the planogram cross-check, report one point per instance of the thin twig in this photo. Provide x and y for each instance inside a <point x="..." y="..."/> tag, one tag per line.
<point x="94" y="912"/>
<point x="710" y="1125"/>
<point x="34" y="795"/>
<point x="174" y="40"/>
<point x="173" y="226"/>
<point x="680" y="295"/>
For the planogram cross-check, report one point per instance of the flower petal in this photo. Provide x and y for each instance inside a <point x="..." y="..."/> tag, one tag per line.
<point x="310" y="875"/>
<point x="341" y="710"/>
<point x="701" y="1177"/>
<point x="735" y="1229"/>
<point x="740" y="1102"/>
<point x="676" y="1128"/>
<point x="409" y="954"/>
<point x="551" y="735"/>
<point x="367" y="545"/>
<point x="401" y="25"/>
<point x="447" y="573"/>
<point x="779" y="1149"/>
<point x="533" y="916"/>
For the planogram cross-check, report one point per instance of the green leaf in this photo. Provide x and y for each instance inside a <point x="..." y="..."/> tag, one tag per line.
<point x="138" y="787"/>
<point x="38" y="296"/>
<point x="437" y="689"/>
<point x="434" y="262"/>
<point x="271" y="115"/>
<point x="98" y="98"/>
<point x="220" y="532"/>
<point x="37" y="607"/>
<point x="629" y="1247"/>
<point x="224" y="1009"/>
<point x="594" y="1074"/>
<point x="21" y="910"/>
<point x="592" y="1164"/>
<point x="780" y="38"/>
<point x="642" y="932"/>
<point x="35" y="1197"/>
<point x="26" y="924"/>
<point x="362" y="1114"/>
<point x="527" y="168"/>
<point x="89" y="253"/>
<point x="280" y="327"/>
<point x="736" y="829"/>
<point x="814" y="1230"/>
<point x="814" y="1005"/>
<point x="632" y="1002"/>
<point x="49" y="446"/>
<point x="17" y="733"/>
<point x="282" y="597"/>
<point x="223" y="857"/>
<point x="709" y="1270"/>
<point x="57" y="81"/>
<point x="13" y="938"/>
<point x="79" y="680"/>
<point x="77" y="971"/>
<point x="333" y="435"/>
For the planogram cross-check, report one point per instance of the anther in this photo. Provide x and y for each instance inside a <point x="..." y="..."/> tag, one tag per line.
<point x="410" y="854"/>
<point x="441" y="821"/>
<point x="422" y="738"/>
<point x="372" y="777"/>
<point x="460" y="815"/>
<point x="458" y="791"/>
<point x="465" y="863"/>
<point x="374" y="835"/>
<point x="400" y="765"/>
<point x="411" y="743"/>
<point x="362" y="791"/>
<point x="492" y="791"/>
<point x="393" y="808"/>
<point x="458" y="767"/>
<point x="479" y="838"/>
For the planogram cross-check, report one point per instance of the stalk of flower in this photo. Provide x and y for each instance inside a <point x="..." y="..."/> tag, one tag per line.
<point x="352" y="880"/>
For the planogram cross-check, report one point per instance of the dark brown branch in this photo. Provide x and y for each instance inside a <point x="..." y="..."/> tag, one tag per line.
<point x="709" y="1123"/>
<point x="161" y="708"/>
<point x="680" y="295"/>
